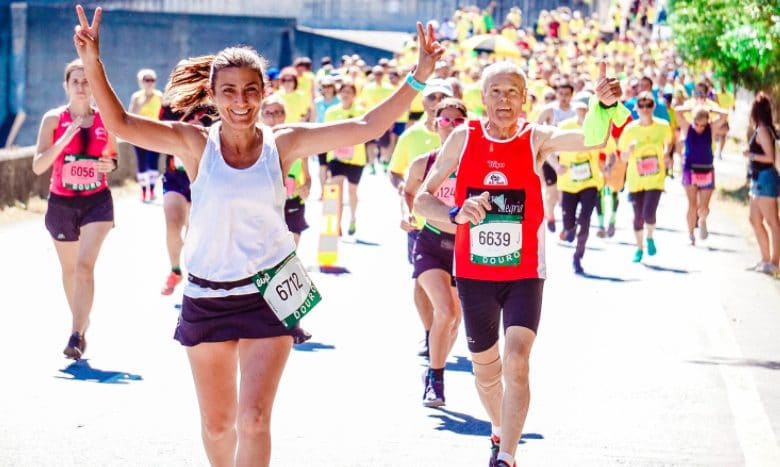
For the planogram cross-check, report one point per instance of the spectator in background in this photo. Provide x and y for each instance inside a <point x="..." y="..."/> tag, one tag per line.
<point x="297" y="104"/>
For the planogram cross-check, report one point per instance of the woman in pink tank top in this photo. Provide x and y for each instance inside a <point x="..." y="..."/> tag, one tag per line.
<point x="74" y="143"/>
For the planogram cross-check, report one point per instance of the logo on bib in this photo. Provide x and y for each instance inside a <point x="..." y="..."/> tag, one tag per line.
<point x="495" y="178"/>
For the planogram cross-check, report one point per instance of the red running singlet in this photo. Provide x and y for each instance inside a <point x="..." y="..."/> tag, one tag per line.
<point x="73" y="174"/>
<point x="509" y="244"/>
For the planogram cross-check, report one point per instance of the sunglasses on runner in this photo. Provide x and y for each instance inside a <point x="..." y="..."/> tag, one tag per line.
<point x="445" y="121"/>
<point x="149" y="80"/>
<point x="275" y="113"/>
<point x="645" y="105"/>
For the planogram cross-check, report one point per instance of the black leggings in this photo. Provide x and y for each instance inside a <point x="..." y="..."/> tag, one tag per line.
<point x="645" y="206"/>
<point x="600" y="204"/>
<point x="587" y="199"/>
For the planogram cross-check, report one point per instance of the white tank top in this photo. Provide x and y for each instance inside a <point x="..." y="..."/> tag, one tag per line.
<point x="237" y="225"/>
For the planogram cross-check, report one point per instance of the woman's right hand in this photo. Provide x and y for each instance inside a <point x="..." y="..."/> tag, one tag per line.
<point x="73" y="129"/>
<point x="87" y="36"/>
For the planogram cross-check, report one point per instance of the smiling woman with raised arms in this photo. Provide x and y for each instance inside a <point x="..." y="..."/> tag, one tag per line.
<point x="238" y="243"/>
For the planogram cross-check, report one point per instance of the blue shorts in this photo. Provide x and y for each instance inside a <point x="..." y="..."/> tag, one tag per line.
<point x="177" y="181"/>
<point x="399" y="127"/>
<point x="766" y="183"/>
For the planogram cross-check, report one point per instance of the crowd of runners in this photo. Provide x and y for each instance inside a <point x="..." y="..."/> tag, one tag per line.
<point x="487" y="148"/>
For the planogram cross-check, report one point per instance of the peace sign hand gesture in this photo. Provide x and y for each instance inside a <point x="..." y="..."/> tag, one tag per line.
<point x="87" y="36"/>
<point x="430" y="51"/>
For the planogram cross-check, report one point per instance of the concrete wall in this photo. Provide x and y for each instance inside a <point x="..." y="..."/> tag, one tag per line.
<point x="5" y="54"/>
<point x="134" y="40"/>
<point x="18" y="183"/>
<point x="317" y="46"/>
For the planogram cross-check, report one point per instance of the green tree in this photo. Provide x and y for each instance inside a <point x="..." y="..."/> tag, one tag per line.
<point x="740" y="38"/>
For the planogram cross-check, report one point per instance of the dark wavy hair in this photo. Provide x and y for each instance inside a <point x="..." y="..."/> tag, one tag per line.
<point x="761" y="111"/>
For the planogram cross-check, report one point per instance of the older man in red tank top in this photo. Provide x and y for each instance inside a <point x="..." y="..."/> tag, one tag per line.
<point x="499" y="241"/>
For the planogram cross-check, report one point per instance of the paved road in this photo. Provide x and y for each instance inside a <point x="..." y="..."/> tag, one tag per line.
<point x="674" y="361"/>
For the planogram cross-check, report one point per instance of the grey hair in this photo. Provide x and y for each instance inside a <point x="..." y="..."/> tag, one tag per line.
<point x="502" y="67"/>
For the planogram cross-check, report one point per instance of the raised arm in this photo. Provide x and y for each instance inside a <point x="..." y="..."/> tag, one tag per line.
<point x="680" y="111"/>
<point x="165" y="137"/>
<point x="549" y="139"/>
<point x="425" y="203"/>
<point x="303" y="139"/>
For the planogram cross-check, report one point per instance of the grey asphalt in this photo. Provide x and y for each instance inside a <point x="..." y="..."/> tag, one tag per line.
<point x="674" y="361"/>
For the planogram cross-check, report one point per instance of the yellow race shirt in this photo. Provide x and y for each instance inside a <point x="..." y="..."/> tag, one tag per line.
<point x="151" y="108"/>
<point x="582" y="167"/>
<point x="646" y="167"/>
<point x="355" y="155"/>
<point x="296" y="104"/>
<point x="414" y="141"/>
<point x="371" y="95"/>
<point x="306" y="83"/>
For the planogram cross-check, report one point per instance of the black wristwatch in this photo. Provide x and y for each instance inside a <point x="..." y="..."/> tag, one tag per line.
<point x="453" y="213"/>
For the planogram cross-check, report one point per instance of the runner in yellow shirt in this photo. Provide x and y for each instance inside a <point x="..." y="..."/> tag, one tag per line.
<point x="373" y="93"/>
<point x="579" y="180"/>
<point x="147" y="101"/>
<point x="348" y="162"/>
<point x="643" y="144"/>
<point x="297" y="105"/>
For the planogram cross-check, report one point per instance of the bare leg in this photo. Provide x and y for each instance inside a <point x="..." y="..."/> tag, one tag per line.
<point x="423" y="305"/>
<point x="446" y="314"/>
<point x="92" y="236"/>
<point x="757" y="221"/>
<point x="176" y="210"/>
<point x="489" y="386"/>
<point x="214" y="372"/>
<point x="704" y="210"/>
<point x="517" y="351"/>
<point x="768" y="208"/>
<point x="68" y="253"/>
<point x="262" y="364"/>
<point x="353" y="200"/>
<point x="690" y="216"/>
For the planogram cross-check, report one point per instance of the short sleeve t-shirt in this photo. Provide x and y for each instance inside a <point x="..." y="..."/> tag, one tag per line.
<point x="296" y="105"/>
<point x="646" y="167"/>
<point x="354" y="155"/>
<point x="416" y="140"/>
<point x="582" y="167"/>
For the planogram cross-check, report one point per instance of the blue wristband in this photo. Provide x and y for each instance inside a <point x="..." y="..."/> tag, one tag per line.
<point x="416" y="85"/>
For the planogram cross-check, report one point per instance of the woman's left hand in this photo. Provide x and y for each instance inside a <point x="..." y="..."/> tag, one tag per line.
<point x="430" y="51"/>
<point x="106" y="165"/>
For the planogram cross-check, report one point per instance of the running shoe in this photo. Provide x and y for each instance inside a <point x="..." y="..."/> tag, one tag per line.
<point x="501" y="464"/>
<point x="551" y="225"/>
<point x="578" y="266"/>
<point x="601" y="233"/>
<point x="495" y="446"/>
<point x="300" y="335"/>
<point x="76" y="346"/>
<point x="638" y="256"/>
<point x="692" y="239"/>
<point x="759" y="266"/>
<point x="703" y="232"/>
<point x="434" y="392"/>
<point x="770" y="269"/>
<point x="651" y="249"/>
<point x="611" y="230"/>
<point x="372" y="169"/>
<point x="170" y="283"/>
<point x="568" y="235"/>
<point x="352" y="228"/>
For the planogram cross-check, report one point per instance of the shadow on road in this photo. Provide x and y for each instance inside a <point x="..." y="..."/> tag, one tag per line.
<point x="462" y="424"/>
<point x="460" y="364"/>
<point x="357" y="241"/>
<point x="722" y="250"/>
<point x="605" y="278"/>
<point x="81" y="370"/>
<point x="572" y="246"/>
<point x="331" y="270"/>
<point x="312" y="347"/>
<point x="766" y="364"/>
<point x="665" y="269"/>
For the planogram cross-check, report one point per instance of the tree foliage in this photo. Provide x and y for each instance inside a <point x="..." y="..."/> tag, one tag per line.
<point x="740" y="38"/>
